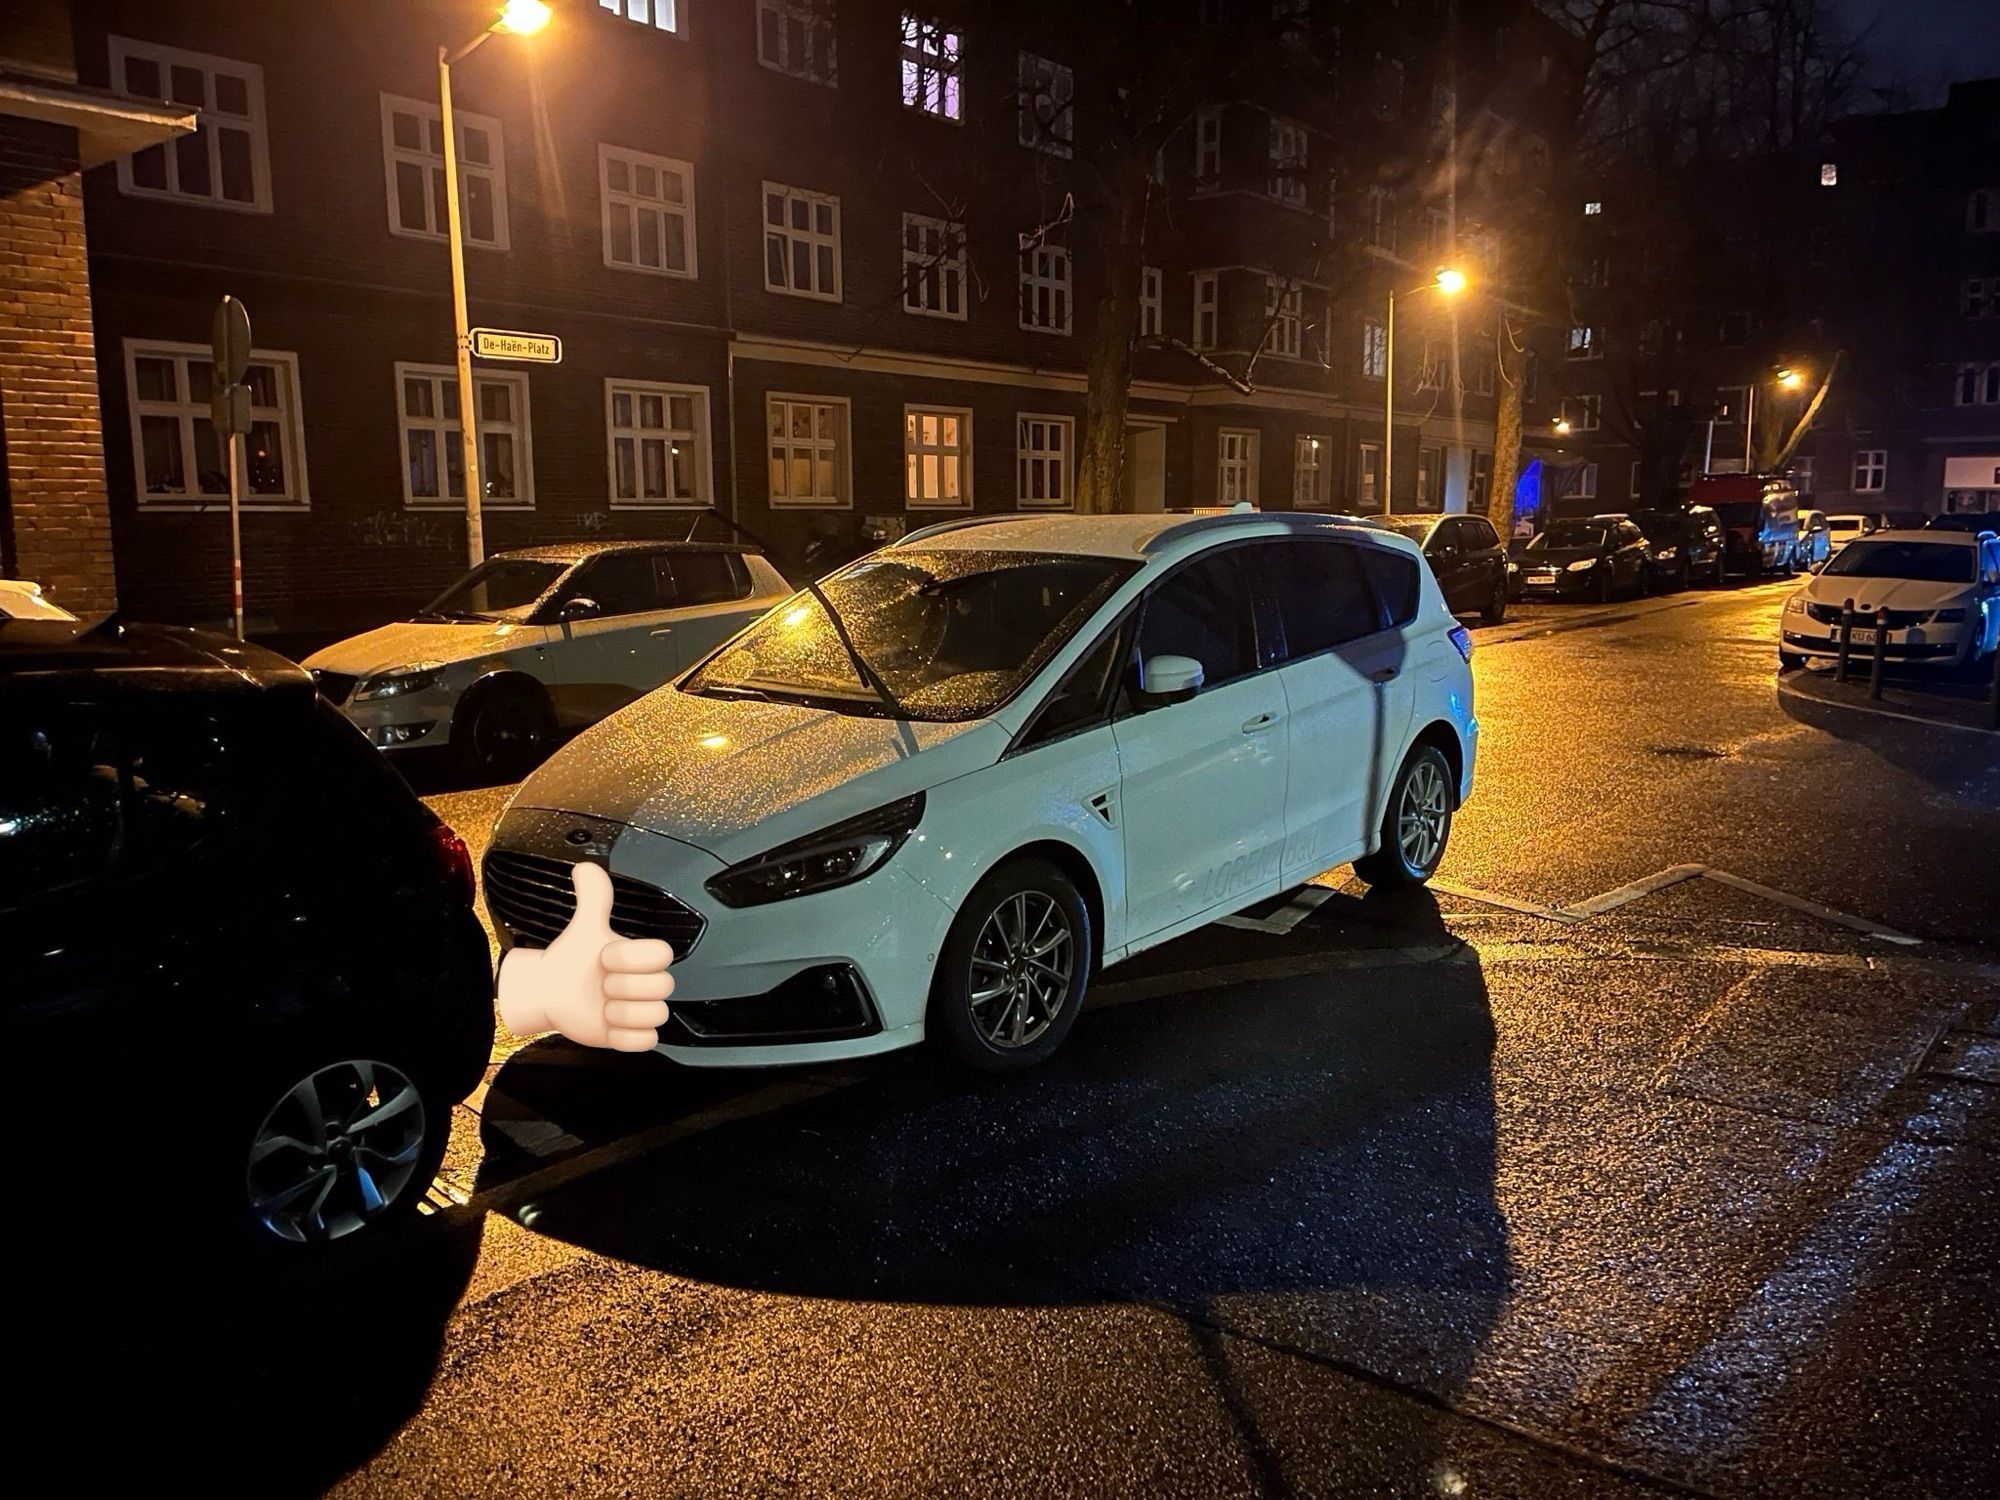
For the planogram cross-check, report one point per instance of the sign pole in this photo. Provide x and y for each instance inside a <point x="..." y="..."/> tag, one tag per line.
<point x="468" y="410"/>
<point x="236" y="528"/>
<point x="229" y="408"/>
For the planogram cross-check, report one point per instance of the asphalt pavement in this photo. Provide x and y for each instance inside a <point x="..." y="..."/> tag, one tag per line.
<point x="1652" y="1152"/>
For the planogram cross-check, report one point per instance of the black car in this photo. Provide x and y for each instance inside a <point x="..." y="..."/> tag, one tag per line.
<point x="1466" y="555"/>
<point x="244" y="982"/>
<point x="1590" y="559"/>
<point x="1687" y="544"/>
<point x="1974" y="521"/>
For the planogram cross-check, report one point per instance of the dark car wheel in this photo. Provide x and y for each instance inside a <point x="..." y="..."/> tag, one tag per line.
<point x="1721" y="573"/>
<point x="1682" y="576"/>
<point x="1014" y="970"/>
<point x="1790" y="661"/>
<point x="503" y="729"/>
<point x="1495" y="611"/>
<point x="1416" y="825"/>
<point x="1601" y="590"/>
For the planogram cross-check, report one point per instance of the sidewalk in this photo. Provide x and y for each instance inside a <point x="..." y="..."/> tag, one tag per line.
<point x="1956" y="699"/>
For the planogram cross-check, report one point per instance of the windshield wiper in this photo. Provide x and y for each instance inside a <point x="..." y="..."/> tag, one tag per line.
<point x="861" y="663"/>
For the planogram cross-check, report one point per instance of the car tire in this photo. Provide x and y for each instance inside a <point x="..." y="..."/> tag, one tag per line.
<point x="1495" y="612"/>
<point x="1416" y="824"/>
<point x="1683" y="576"/>
<point x="1602" y="589"/>
<point x="1790" y="661"/>
<point x="1721" y="578"/>
<point x="1031" y="996"/>
<point x="503" y="729"/>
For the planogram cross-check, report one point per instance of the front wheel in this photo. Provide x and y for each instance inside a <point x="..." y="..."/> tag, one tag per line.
<point x="1416" y="825"/>
<point x="1790" y="661"/>
<point x="1495" y="612"/>
<point x="1013" y="972"/>
<point x="503" y="729"/>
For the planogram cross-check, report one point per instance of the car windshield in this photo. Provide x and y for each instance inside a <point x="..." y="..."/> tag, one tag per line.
<point x="953" y="634"/>
<point x="501" y="588"/>
<point x="1927" y="562"/>
<point x="1574" y="534"/>
<point x="1660" y="523"/>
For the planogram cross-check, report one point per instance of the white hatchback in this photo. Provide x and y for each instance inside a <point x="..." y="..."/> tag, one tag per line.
<point x="535" y="641"/>
<point x="1018" y="750"/>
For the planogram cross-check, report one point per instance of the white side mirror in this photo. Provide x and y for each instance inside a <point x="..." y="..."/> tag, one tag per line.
<point x="1169" y="676"/>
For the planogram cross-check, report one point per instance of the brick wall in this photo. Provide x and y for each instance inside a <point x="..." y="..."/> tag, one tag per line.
<point x="54" y="519"/>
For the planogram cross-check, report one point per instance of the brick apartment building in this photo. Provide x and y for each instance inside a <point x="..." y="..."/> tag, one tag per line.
<point x="782" y="242"/>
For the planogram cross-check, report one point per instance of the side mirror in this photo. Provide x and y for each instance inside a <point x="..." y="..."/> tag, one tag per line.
<point x="1172" y="679"/>
<point x="1820" y="566"/>
<point x="581" y="608"/>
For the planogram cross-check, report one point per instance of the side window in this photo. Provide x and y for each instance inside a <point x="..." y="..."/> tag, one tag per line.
<point x="1203" y="611"/>
<point x="1082" y="700"/>
<point x="622" y="584"/>
<point x="1395" y="580"/>
<point x="1446" y="540"/>
<point x="1322" y="596"/>
<point x="1479" y="534"/>
<point x="61" y="807"/>
<point x="693" y="578"/>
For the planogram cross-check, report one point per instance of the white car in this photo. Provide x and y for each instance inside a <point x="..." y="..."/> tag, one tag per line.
<point x="1941" y="590"/>
<point x="532" y="642"/>
<point x="1021" y="749"/>
<point x="21" y="600"/>
<point x="1842" y="529"/>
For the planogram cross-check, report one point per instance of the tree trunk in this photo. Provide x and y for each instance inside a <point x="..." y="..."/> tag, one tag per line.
<point x="1100" y="473"/>
<point x="1506" y="434"/>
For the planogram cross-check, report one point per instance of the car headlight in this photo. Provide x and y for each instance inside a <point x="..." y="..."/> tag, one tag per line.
<point x="1582" y="565"/>
<point x="1796" y="605"/>
<point x="1948" y="617"/>
<point x="834" y="856"/>
<point x="398" y="681"/>
<point x="1667" y="554"/>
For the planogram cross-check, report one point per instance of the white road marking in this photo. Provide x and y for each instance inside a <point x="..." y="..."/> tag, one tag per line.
<point x="1814" y="909"/>
<point x="1881" y="713"/>
<point x="1504" y="903"/>
<point x="1285" y="918"/>
<point x="537" y="1137"/>
<point x="1611" y="900"/>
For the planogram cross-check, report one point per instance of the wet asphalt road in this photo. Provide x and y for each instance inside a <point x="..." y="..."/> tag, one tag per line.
<point x="1498" y="1191"/>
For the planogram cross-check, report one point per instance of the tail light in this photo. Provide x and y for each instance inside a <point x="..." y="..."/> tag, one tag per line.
<point x="1462" y="638"/>
<point x="454" y="861"/>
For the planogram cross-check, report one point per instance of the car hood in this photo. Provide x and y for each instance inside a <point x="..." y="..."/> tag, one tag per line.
<point x="1556" y="557"/>
<point x="738" y="776"/>
<point x="1871" y="594"/>
<point x="418" y="640"/>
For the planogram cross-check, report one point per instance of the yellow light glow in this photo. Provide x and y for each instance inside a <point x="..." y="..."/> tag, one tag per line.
<point x="1791" y="380"/>
<point x="1562" y="424"/>
<point x="714" y="742"/>
<point x="523" y="17"/>
<point x="795" y="617"/>
<point x="1451" y="282"/>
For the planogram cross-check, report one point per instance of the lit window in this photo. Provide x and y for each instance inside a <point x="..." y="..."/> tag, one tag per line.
<point x="1829" y="174"/>
<point x="1374" y="349"/>
<point x="1586" y="482"/>
<point x="1236" y="466"/>
<point x="808" y="436"/>
<point x="937" y="458"/>
<point x="796" y="37"/>
<point x="665" y="15"/>
<point x="1592" y="209"/>
<point x="648" y="211"/>
<point x="1208" y="147"/>
<point x="1045" y="288"/>
<point x="1368" y="476"/>
<point x="433" y="457"/>
<point x="1044" y="449"/>
<point x="1284" y="310"/>
<point x="1638" y="486"/>
<point x="658" y="436"/>
<point x="1584" y="343"/>
<point x="1207" y="308"/>
<point x="1584" y="413"/>
<point x="178" y="457"/>
<point x="1309" y="470"/>
<point x="931" y="68"/>
<point x="1871" y="470"/>
<point x="224" y="163"/>
<point x="413" y="155"/>
<point x="1288" y="162"/>
<point x="801" y="242"/>
<point x="1151" y="285"/>
<point x="1048" y="99"/>
<point x="933" y="267"/>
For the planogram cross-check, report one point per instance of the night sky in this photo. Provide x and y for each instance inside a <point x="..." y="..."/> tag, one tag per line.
<point x="1929" y="43"/>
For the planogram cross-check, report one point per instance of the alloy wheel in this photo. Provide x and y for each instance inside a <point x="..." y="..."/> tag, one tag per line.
<point x="336" y="1151"/>
<point x="1421" y="816"/>
<point x="1023" y="962"/>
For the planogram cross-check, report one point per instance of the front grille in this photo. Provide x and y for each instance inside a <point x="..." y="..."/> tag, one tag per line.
<point x="824" y="1004"/>
<point x="1899" y="619"/>
<point x="333" y="686"/>
<point x="531" y="896"/>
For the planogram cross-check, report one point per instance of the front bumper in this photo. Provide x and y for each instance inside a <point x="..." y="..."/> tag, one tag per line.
<point x="1564" y="585"/>
<point x="406" y="722"/>
<point x="1926" y="645"/>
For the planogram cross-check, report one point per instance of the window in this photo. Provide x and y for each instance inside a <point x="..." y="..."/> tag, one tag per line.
<point x="1368" y="476"/>
<point x="931" y="68"/>
<point x="658" y="436"/>
<point x="1288" y="162"/>
<point x="796" y="37"/>
<point x="1374" y="349"/>
<point x="1731" y="401"/>
<point x="1284" y="310"/>
<point x="1151" y="320"/>
<point x="224" y="163"/>
<point x="1236" y="466"/>
<point x="1381" y="219"/>
<point x="1430" y="479"/>
<point x="1203" y="611"/>
<point x="1982" y="212"/>
<point x="1083" y="699"/>
<point x="1207" y="309"/>
<point x="1485" y="358"/>
<point x="933" y="267"/>
<point x="1829" y="176"/>
<point x="433" y="459"/>
<point x="1045" y="288"/>
<point x="177" y="455"/>
<point x="1584" y="343"/>
<point x="801" y="242"/>
<point x="1638" y="488"/>
<point x="1309" y="475"/>
<point x="1042" y="449"/>
<point x="665" y="15"/>
<point x="1048" y="99"/>
<point x="1592" y="208"/>
<point x="1430" y="372"/>
<point x="808" y="450"/>
<point x="620" y="583"/>
<point x="1208" y="147"/>
<point x="1322" y="594"/>
<point x="648" y="211"/>
<point x="1978" y="385"/>
<point x="1478" y="493"/>
<point x="937" y="457"/>
<point x="413" y="156"/>
<point x="693" y="578"/>
<point x="1586" y="482"/>
<point x="1396" y="579"/>
<point x="1584" y="413"/>
<point x="1979" y="297"/>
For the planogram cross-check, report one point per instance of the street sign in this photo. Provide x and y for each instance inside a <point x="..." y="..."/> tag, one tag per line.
<point x="229" y="341"/>
<point x="507" y="343"/>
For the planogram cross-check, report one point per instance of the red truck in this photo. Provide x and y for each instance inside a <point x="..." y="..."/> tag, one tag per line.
<point x="1760" y="520"/>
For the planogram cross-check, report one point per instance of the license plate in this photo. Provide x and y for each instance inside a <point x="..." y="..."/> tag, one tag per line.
<point x="1862" y="638"/>
<point x="1539" y="583"/>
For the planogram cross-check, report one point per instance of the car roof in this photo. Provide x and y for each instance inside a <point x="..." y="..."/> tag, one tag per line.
<point x="1940" y="537"/>
<point x="571" y="552"/>
<point x="150" y="657"/>
<point x="1127" y="536"/>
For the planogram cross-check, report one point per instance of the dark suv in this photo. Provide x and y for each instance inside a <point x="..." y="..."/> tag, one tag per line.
<point x="1687" y="544"/>
<point x="244" y="984"/>
<point x="1465" y="554"/>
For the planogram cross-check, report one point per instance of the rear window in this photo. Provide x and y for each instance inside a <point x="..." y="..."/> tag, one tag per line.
<point x="1394" y="578"/>
<point x="706" y="578"/>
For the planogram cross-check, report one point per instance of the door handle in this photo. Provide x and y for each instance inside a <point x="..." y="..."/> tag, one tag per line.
<point x="663" y="630"/>
<point x="1259" y="724"/>
<point x="1385" y="674"/>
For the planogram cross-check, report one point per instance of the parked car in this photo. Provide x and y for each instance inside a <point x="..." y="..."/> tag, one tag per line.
<point x="1686" y="545"/>
<point x="1055" y="742"/>
<point x="21" y="600"/>
<point x="1761" y="518"/>
<point x="1941" y="590"/>
<point x="1971" y="521"/>
<point x="1592" y="558"/>
<point x="1466" y="556"/>
<point x="533" y="642"/>
<point x="1848" y="526"/>
<point x="1815" y="539"/>
<point x="245" y="983"/>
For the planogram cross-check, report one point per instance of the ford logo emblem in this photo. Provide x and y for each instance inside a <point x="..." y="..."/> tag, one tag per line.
<point x="578" y="836"/>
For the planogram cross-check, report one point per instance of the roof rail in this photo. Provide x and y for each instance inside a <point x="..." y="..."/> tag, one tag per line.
<point x="957" y="523"/>
<point x="1297" y="520"/>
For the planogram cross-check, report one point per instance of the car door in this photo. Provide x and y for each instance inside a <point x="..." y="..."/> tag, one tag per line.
<point x="1202" y="781"/>
<point x="710" y="592"/>
<point x="1632" y="554"/>
<point x="600" y="662"/>
<point x="1445" y="551"/>
<point x="1337" y="662"/>
<point x="1485" y="559"/>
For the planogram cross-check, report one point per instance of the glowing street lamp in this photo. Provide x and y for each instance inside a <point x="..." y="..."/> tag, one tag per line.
<point x="1790" y="379"/>
<point x="1450" y="281"/>
<point x="1562" y="424"/>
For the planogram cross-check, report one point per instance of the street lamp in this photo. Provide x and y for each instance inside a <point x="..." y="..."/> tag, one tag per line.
<point x="1450" y="282"/>
<point x="517" y="18"/>
<point x="1790" y="379"/>
<point x="1562" y="424"/>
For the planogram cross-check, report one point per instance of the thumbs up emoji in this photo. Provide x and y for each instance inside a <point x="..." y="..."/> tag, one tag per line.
<point x="591" y="985"/>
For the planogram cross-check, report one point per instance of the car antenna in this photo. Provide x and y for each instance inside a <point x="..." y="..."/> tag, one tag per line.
<point x="861" y="663"/>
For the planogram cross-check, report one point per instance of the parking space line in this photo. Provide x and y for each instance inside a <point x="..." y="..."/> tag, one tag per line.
<point x="1308" y="900"/>
<point x="1814" y="909"/>
<point x="1504" y="903"/>
<point x="1785" y="691"/>
<point x="1611" y="900"/>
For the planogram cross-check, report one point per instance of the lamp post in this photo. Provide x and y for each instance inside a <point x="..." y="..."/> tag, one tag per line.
<point x="519" y="18"/>
<point x="1451" y="283"/>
